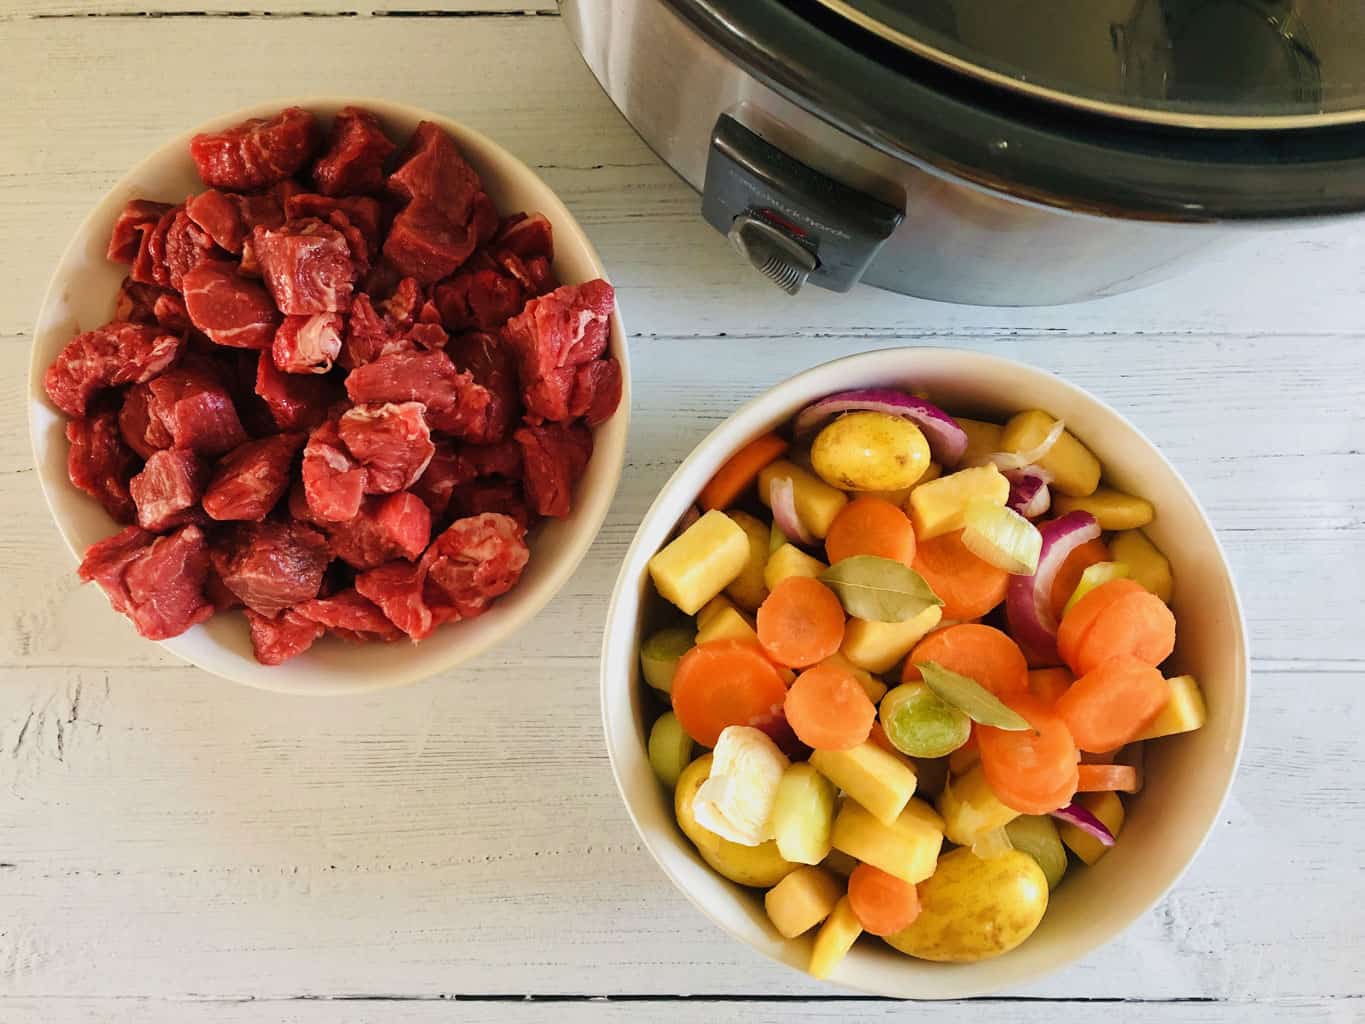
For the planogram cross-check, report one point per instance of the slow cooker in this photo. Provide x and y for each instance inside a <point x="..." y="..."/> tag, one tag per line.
<point x="998" y="152"/>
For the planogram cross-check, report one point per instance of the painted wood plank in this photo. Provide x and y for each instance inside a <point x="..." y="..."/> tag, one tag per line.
<point x="273" y="8"/>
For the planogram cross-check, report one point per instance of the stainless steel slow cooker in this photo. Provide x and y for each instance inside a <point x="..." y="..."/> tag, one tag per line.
<point x="999" y="152"/>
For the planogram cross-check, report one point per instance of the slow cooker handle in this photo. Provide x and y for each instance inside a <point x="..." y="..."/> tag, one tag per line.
<point x="791" y="222"/>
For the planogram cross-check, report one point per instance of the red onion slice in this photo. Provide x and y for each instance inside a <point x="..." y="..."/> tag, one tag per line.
<point x="1029" y="493"/>
<point x="1028" y="602"/>
<point x="782" y="498"/>
<point x="1075" y="814"/>
<point x="947" y="441"/>
<point x="1018" y="460"/>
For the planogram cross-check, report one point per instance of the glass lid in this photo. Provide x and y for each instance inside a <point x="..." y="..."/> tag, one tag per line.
<point x="1246" y="64"/>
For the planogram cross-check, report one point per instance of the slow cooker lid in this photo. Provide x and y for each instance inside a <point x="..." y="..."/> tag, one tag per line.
<point x="1194" y="63"/>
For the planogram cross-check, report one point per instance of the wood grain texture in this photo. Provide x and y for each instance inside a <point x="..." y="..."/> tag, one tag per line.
<point x="176" y="849"/>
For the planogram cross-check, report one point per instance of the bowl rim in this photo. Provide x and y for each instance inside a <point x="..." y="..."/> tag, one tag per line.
<point x="593" y="506"/>
<point x="747" y="419"/>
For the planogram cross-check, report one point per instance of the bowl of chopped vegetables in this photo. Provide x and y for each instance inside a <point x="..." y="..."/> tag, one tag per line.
<point x="925" y="673"/>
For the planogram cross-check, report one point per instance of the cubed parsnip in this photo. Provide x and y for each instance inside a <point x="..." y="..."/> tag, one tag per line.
<point x="727" y="624"/>
<point x="872" y="686"/>
<point x="1145" y="563"/>
<point x="713" y="607"/>
<point x="802" y="900"/>
<point x="817" y="503"/>
<point x="789" y="560"/>
<point x="1109" y="809"/>
<point x="878" y="780"/>
<point x="697" y="565"/>
<point x="877" y="646"/>
<point x="1075" y="471"/>
<point x="969" y="808"/>
<point x="1112" y="509"/>
<point x="839" y="862"/>
<point x="940" y="506"/>
<point x="1184" y="712"/>
<point x="834" y="939"/>
<point x="748" y="589"/>
<point x="907" y="847"/>
<point x="983" y="439"/>
<point x="803" y="814"/>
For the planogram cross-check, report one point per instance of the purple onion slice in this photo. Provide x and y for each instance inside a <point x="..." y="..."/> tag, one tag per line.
<point x="1028" y="602"/>
<point x="1075" y="814"/>
<point x="947" y="440"/>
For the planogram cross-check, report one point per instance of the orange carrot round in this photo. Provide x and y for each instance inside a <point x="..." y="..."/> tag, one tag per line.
<point x="1136" y="624"/>
<point x="828" y="709"/>
<point x="739" y="471"/>
<point x="1098" y="778"/>
<point x="1064" y="584"/>
<point x="1047" y="684"/>
<point x="1032" y="771"/>
<point x="882" y="903"/>
<point x="968" y="586"/>
<point x="723" y="683"/>
<point x="979" y="652"/>
<point x="871" y="526"/>
<point x="800" y="622"/>
<point x="878" y="736"/>
<point x="1084" y="613"/>
<point x="1108" y="706"/>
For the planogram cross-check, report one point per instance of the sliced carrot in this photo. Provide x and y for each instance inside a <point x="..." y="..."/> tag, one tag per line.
<point x="1047" y="684"/>
<point x="871" y="526"/>
<point x="1084" y="613"/>
<point x="1098" y="778"/>
<point x="1032" y="771"/>
<point x="800" y="622"/>
<point x="722" y="683"/>
<point x="828" y="709"/>
<point x="968" y="586"/>
<point x="978" y="652"/>
<point x="1064" y="584"/>
<point x="1108" y="706"/>
<point x="1136" y="624"/>
<point x="878" y="736"/>
<point x="739" y="471"/>
<point x="882" y="903"/>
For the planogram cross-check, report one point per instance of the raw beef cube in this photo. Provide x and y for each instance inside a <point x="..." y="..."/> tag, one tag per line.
<point x="168" y="489"/>
<point x="426" y="244"/>
<point x="501" y="459"/>
<point x="220" y="217"/>
<point x="257" y="152"/>
<point x="230" y="309"/>
<point x="143" y="432"/>
<point x="392" y="441"/>
<point x="171" y="314"/>
<point x="308" y="344"/>
<point x="333" y="481"/>
<point x="276" y="640"/>
<point x="307" y="266"/>
<point x="217" y="593"/>
<point x="186" y="246"/>
<point x="431" y="168"/>
<point x="445" y="472"/>
<point x="251" y="479"/>
<point x="355" y="157"/>
<point x="475" y="560"/>
<point x="363" y="212"/>
<point x="129" y="236"/>
<point x="455" y="403"/>
<point x="397" y="588"/>
<point x="554" y="335"/>
<point x="369" y="336"/>
<point x="493" y="367"/>
<point x="271" y="566"/>
<point x="400" y="308"/>
<point x="429" y="337"/>
<point x="135" y="302"/>
<point x="527" y="235"/>
<point x="158" y="582"/>
<point x="483" y="219"/>
<point x="295" y="401"/>
<point x="264" y="209"/>
<point x="100" y="464"/>
<point x="394" y="526"/>
<point x="533" y="275"/>
<point x="596" y="391"/>
<point x="362" y="253"/>
<point x="491" y="494"/>
<point x="554" y="457"/>
<point x="478" y="299"/>
<point x="195" y="409"/>
<point x="351" y="617"/>
<point x="117" y="353"/>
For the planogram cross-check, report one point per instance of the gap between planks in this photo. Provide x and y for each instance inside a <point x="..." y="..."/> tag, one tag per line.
<point x="548" y="12"/>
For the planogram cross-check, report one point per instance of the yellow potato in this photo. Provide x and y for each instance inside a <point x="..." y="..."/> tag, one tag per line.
<point x="759" y="866"/>
<point x="1075" y="470"/>
<point x="907" y="847"/>
<point x="940" y="507"/>
<point x="817" y="503"/>
<point x="983" y="439"/>
<point x="748" y="589"/>
<point x="697" y="565"/>
<point x="1112" y="509"/>
<point x="1184" y="712"/>
<point x="877" y="646"/>
<point x="834" y="939"/>
<point x="802" y="900"/>
<point x="880" y="781"/>
<point x="870" y="451"/>
<point x="973" y="909"/>
<point x="789" y="560"/>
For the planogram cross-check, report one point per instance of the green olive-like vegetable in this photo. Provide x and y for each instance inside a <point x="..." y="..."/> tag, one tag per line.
<point x="870" y="451"/>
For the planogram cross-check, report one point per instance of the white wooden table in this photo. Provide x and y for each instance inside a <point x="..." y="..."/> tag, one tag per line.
<point x="173" y="848"/>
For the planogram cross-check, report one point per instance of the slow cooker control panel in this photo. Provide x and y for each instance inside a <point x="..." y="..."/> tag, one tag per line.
<point x="791" y="222"/>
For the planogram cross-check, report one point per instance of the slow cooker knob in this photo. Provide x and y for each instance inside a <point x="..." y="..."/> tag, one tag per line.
<point x="775" y="254"/>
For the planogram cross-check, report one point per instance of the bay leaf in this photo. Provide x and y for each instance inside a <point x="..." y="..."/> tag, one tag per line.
<point x="879" y="589"/>
<point x="970" y="697"/>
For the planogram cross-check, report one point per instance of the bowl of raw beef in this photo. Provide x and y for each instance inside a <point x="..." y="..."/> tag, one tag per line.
<point x="329" y="395"/>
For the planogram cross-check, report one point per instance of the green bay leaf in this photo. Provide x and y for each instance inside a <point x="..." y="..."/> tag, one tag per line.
<point x="970" y="697"/>
<point x="879" y="589"/>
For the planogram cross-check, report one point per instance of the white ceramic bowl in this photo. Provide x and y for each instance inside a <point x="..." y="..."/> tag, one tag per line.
<point x="1187" y="776"/>
<point x="81" y="296"/>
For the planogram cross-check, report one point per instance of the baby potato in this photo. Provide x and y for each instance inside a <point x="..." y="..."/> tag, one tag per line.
<point x="870" y="451"/>
<point x="973" y="909"/>
<point x="759" y="866"/>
